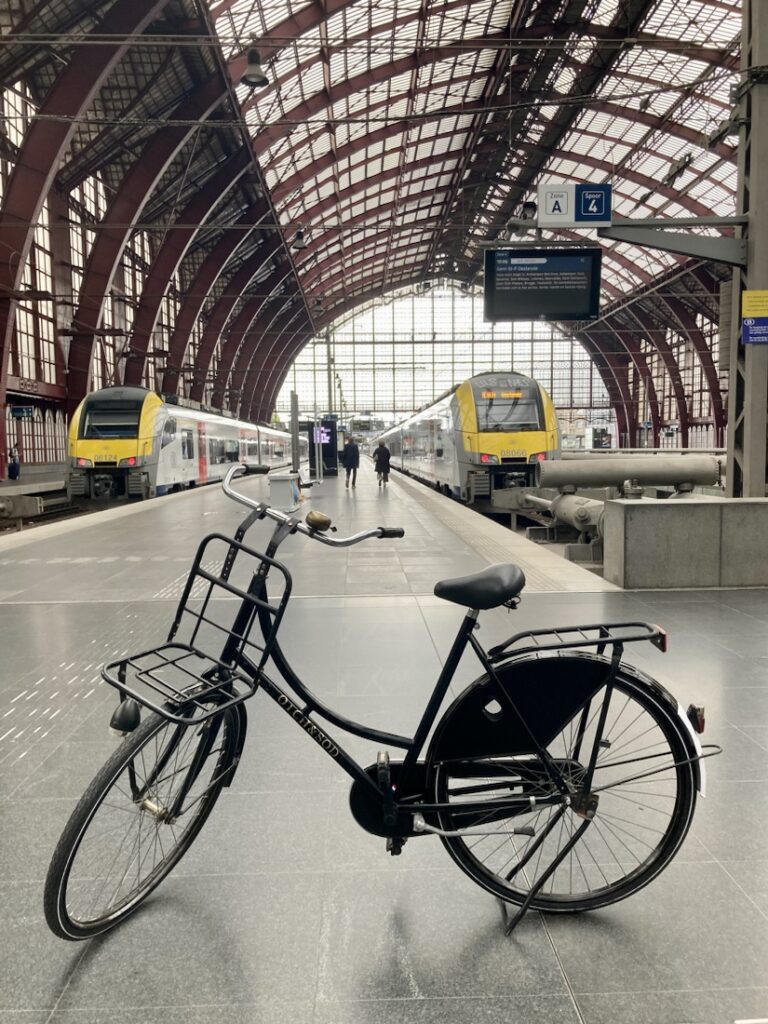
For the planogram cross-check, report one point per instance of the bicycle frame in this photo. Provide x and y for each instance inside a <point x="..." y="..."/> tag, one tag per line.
<point x="412" y="746"/>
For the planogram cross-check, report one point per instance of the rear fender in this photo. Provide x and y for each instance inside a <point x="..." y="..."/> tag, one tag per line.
<point x="692" y="740"/>
<point x="547" y="691"/>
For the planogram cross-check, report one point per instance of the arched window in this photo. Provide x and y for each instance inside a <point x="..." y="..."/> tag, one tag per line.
<point x="60" y="434"/>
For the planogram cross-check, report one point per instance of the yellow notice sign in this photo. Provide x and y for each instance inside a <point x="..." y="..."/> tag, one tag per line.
<point x="754" y="303"/>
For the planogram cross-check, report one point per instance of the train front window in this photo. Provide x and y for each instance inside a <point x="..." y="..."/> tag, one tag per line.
<point x="108" y="420"/>
<point x="507" y="405"/>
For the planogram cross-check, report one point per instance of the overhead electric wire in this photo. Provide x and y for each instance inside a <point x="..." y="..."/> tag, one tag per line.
<point x="275" y="42"/>
<point x="496" y="108"/>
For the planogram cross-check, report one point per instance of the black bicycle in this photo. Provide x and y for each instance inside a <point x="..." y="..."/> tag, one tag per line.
<point x="561" y="780"/>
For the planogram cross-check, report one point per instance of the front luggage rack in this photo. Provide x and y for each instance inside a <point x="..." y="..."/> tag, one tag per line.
<point x="180" y="679"/>
<point x="179" y="682"/>
<point x="600" y="635"/>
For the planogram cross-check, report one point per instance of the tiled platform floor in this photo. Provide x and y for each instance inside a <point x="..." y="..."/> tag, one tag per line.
<point x="284" y="911"/>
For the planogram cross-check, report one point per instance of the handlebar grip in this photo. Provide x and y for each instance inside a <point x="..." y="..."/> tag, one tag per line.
<point x="391" y="532"/>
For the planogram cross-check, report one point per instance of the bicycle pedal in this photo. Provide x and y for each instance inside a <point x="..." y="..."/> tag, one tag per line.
<point x="395" y="845"/>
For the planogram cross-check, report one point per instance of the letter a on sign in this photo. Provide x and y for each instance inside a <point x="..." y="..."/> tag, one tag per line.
<point x="556" y="204"/>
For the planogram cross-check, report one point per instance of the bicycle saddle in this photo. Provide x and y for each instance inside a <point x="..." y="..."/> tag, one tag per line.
<point x="487" y="589"/>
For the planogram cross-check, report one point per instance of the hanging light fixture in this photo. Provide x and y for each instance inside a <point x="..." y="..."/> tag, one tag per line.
<point x="299" y="241"/>
<point x="254" y="76"/>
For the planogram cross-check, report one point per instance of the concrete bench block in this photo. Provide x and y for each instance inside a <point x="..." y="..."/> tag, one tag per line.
<point x="744" y="543"/>
<point x="696" y="542"/>
<point x="653" y="544"/>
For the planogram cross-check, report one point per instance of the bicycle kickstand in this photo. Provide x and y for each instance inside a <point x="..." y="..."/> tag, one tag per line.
<point x="511" y="921"/>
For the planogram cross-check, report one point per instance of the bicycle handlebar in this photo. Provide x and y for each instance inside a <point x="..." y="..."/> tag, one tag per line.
<point x="391" y="531"/>
<point x="267" y="512"/>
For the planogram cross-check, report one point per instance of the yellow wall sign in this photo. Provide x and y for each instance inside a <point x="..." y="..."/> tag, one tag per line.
<point x="754" y="303"/>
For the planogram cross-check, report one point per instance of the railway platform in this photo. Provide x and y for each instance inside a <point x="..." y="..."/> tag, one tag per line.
<point x="284" y="910"/>
<point x="37" y="479"/>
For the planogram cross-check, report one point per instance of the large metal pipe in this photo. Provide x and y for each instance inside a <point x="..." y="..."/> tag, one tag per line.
<point x="576" y="454"/>
<point x="534" y="499"/>
<point x="584" y="514"/>
<point x="614" y="471"/>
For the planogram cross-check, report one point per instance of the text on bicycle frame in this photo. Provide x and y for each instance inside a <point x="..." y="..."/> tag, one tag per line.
<point x="317" y="734"/>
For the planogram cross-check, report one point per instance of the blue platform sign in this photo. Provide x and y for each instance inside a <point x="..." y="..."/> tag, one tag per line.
<point x="754" y="330"/>
<point x="22" y="412"/>
<point x="593" y="205"/>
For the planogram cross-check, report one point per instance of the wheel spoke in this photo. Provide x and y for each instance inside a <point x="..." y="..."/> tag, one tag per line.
<point x="123" y="840"/>
<point x="638" y="810"/>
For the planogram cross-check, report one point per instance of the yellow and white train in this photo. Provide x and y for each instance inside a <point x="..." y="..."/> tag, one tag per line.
<point x="127" y="442"/>
<point x="486" y="433"/>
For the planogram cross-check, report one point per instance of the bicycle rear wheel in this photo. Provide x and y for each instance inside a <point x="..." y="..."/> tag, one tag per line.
<point x="644" y="784"/>
<point x="129" y="829"/>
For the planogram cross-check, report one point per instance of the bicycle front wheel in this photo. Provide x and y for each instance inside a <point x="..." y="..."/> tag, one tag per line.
<point x="136" y="820"/>
<point x="642" y="796"/>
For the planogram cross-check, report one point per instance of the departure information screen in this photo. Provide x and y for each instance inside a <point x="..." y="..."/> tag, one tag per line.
<point x="542" y="284"/>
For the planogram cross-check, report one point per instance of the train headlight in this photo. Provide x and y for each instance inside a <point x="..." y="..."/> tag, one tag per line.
<point x="489" y="460"/>
<point x="538" y="457"/>
<point x="130" y="462"/>
<point x="82" y="463"/>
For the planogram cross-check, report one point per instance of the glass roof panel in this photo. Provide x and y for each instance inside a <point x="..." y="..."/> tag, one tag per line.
<point x="643" y="123"/>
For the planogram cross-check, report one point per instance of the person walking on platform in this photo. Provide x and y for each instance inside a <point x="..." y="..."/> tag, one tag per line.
<point x="350" y="460"/>
<point x="381" y="459"/>
<point x="14" y="464"/>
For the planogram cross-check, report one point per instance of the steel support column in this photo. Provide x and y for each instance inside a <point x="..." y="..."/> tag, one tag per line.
<point x="747" y="473"/>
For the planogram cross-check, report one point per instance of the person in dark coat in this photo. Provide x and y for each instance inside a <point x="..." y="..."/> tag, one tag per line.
<point x="381" y="460"/>
<point x="14" y="464"/>
<point x="350" y="460"/>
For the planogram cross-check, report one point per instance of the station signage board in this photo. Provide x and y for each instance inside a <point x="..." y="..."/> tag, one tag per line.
<point x="22" y="412"/>
<point x="754" y="317"/>
<point x="574" y="206"/>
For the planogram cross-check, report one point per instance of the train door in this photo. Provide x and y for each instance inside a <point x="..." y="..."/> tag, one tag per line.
<point x="189" y="470"/>
<point x="170" y="454"/>
<point x="202" y="458"/>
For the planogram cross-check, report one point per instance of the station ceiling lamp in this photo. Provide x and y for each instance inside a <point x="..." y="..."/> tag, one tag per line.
<point x="254" y="76"/>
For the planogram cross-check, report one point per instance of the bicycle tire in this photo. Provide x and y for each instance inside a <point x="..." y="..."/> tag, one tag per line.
<point x="617" y="855"/>
<point x="131" y="764"/>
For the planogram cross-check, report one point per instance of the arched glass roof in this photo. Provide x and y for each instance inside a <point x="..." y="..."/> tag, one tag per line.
<point x="402" y="136"/>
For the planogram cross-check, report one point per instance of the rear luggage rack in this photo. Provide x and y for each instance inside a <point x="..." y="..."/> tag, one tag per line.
<point x="601" y="635"/>
<point x="180" y="679"/>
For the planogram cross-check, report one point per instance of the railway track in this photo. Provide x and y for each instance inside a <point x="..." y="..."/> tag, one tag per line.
<point x="21" y="512"/>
